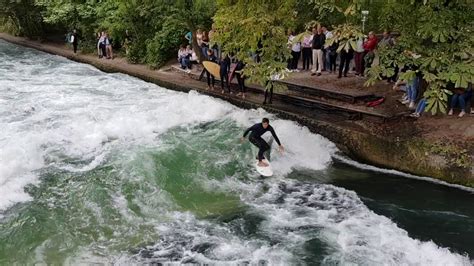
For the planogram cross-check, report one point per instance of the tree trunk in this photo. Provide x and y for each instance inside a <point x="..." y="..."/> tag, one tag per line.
<point x="197" y="49"/>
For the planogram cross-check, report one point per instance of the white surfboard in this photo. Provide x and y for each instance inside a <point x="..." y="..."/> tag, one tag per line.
<point x="264" y="171"/>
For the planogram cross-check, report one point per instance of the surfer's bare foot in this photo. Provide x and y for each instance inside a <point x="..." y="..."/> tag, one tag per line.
<point x="262" y="164"/>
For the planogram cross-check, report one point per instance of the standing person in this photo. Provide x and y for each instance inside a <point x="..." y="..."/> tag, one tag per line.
<point x="205" y="43"/>
<point x="327" y="52"/>
<point x="413" y="90"/>
<point x="369" y="46"/>
<point x="108" y="46"/>
<point x="224" y="64"/>
<point x="211" y="80"/>
<point x="127" y="41"/>
<point x="358" y="54"/>
<point x="307" y="42"/>
<point x="256" y="139"/>
<point x="269" y="88"/>
<point x="240" y="78"/>
<point x="189" y="36"/>
<point x="102" y="45"/>
<point x="387" y="39"/>
<point x="318" y="44"/>
<point x="99" y="40"/>
<point x="268" y="92"/>
<point x="332" y="51"/>
<point x="213" y="44"/>
<point x="199" y="38"/>
<point x="472" y="97"/>
<point x="389" y="42"/>
<point x="295" y="51"/>
<point x="74" y="40"/>
<point x="346" y="57"/>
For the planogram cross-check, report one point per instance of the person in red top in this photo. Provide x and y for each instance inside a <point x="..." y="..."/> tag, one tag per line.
<point x="369" y="46"/>
<point x="371" y="43"/>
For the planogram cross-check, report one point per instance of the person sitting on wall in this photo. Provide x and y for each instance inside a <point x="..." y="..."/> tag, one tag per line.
<point x="460" y="97"/>
<point x="184" y="57"/>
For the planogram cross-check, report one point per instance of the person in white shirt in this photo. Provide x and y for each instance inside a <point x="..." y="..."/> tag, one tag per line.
<point x="183" y="57"/>
<point x="358" y="57"/>
<point x="295" y="51"/>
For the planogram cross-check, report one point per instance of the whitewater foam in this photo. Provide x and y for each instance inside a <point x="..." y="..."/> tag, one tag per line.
<point x="355" y="234"/>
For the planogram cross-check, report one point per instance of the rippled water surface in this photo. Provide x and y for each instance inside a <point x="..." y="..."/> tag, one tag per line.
<point x="105" y="168"/>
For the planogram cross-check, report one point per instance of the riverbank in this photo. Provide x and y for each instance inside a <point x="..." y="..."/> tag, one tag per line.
<point x="439" y="147"/>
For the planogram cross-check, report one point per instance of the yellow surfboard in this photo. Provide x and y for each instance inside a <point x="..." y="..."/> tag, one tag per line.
<point x="213" y="68"/>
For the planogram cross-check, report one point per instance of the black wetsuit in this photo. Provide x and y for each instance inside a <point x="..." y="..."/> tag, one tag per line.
<point x="256" y="138"/>
<point x="224" y="71"/>
<point x="240" y="77"/>
<point x="211" y="78"/>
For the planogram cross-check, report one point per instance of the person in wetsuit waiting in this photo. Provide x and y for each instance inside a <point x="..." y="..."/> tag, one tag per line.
<point x="256" y="139"/>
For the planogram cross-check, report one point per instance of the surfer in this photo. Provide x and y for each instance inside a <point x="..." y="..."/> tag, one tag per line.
<point x="210" y="78"/>
<point x="256" y="139"/>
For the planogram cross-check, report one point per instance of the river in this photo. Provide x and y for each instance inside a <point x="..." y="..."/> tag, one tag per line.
<point x="106" y="168"/>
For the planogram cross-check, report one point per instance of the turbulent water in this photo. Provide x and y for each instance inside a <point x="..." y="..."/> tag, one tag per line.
<point x="105" y="168"/>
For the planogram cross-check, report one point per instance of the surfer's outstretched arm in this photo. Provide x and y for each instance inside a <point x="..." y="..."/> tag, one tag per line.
<point x="280" y="147"/>
<point x="275" y="136"/>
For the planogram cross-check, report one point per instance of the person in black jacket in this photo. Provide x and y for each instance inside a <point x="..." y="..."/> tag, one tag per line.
<point x="332" y="50"/>
<point x="346" y="57"/>
<point x="240" y="77"/>
<point x="318" y="44"/>
<point x="75" y="40"/>
<point x="256" y="139"/>
<point x="224" y="64"/>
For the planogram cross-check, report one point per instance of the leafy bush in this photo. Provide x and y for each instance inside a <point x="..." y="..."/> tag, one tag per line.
<point x="165" y="43"/>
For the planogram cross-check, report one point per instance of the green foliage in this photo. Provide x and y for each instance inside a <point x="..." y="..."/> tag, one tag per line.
<point x="346" y="35"/>
<point x="456" y="156"/>
<point x="7" y="24"/>
<point x="247" y="27"/>
<point x="165" y="42"/>
<point x="21" y="17"/>
<point x="155" y="27"/>
<point x="440" y="33"/>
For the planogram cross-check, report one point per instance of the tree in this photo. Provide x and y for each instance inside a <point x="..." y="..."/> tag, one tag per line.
<point x="256" y="29"/>
<point x="196" y="14"/>
<point x="440" y="32"/>
<point x="21" y="17"/>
